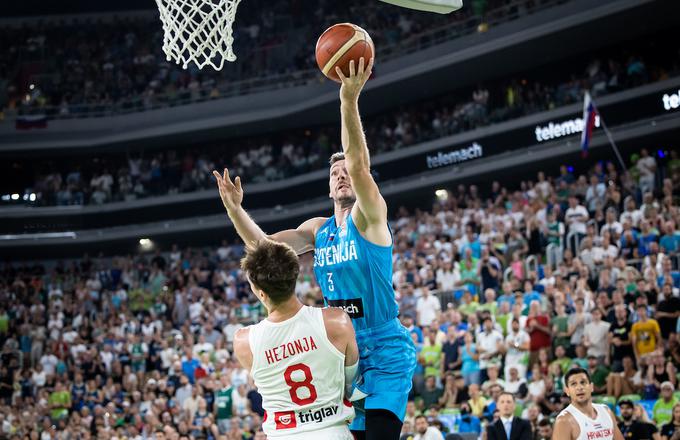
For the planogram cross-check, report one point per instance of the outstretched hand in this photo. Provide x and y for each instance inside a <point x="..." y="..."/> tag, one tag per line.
<point x="231" y="193"/>
<point x="353" y="84"/>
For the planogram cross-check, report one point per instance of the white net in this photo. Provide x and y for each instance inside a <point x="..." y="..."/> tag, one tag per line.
<point x="198" y="31"/>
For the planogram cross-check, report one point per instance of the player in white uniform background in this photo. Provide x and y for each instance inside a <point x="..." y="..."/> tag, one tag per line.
<point x="583" y="419"/>
<point x="302" y="359"/>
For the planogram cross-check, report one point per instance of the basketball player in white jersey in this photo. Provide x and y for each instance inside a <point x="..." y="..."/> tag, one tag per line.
<point x="302" y="359"/>
<point x="583" y="419"/>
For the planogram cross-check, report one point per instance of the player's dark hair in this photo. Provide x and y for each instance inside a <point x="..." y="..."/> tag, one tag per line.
<point x="272" y="267"/>
<point x="574" y="371"/>
<point x="336" y="157"/>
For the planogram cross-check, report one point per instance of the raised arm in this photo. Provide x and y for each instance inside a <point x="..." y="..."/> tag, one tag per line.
<point x="370" y="210"/>
<point x="302" y="238"/>
<point x="231" y="193"/>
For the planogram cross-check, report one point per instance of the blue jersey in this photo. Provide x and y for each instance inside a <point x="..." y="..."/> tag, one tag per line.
<point x="355" y="274"/>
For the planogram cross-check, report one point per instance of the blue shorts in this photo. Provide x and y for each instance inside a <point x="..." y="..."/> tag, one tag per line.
<point x="387" y="360"/>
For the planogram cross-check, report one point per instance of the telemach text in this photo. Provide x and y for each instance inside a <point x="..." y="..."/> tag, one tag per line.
<point x="453" y="157"/>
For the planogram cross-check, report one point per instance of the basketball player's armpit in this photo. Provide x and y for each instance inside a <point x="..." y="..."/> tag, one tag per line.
<point x="302" y="238"/>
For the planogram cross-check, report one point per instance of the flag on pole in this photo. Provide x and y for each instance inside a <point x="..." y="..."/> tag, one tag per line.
<point x="589" y="114"/>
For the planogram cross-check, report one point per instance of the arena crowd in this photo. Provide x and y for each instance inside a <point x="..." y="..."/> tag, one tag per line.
<point x="104" y="65"/>
<point x="502" y="289"/>
<point x="111" y="178"/>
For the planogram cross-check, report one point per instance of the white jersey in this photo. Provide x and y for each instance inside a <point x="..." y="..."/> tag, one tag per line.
<point x="301" y="377"/>
<point x="600" y="428"/>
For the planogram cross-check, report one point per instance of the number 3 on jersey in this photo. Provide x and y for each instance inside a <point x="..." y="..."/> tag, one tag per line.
<point x="296" y="385"/>
<point x="331" y="286"/>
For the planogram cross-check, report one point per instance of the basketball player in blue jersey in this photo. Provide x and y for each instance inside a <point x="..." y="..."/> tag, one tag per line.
<point x="353" y="266"/>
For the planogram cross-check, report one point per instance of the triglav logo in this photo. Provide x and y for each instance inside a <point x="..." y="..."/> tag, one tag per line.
<point x="319" y="415"/>
<point x="285" y="419"/>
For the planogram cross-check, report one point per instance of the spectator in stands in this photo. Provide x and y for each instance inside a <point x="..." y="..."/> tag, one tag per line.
<point x="630" y="427"/>
<point x="668" y="275"/>
<point x="668" y="312"/>
<point x="470" y="361"/>
<point x="538" y="327"/>
<point x="645" y="334"/>
<point x="428" y="308"/>
<point x="426" y="432"/>
<point x="577" y="322"/>
<point x="431" y="355"/>
<point x="516" y="348"/>
<point x="477" y="401"/>
<point x="619" y="339"/>
<point x="576" y="217"/>
<point x="431" y="393"/>
<point x="545" y="430"/>
<point x="469" y="423"/>
<point x="595" y="336"/>
<point x="670" y="240"/>
<point x="489" y="346"/>
<point x="451" y="351"/>
<point x="628" y="381"/>
<point x="646" y="166"/>
<point x="508" y="426"/>
<point x="671" y="430"/>
<point x="662" y="412"/>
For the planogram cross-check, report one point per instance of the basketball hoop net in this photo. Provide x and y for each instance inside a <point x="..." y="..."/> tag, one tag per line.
<point x="198" y="31"/>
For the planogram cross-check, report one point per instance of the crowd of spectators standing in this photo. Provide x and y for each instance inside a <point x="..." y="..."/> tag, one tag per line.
<point x="140" y="346"/>
<point x="91" y="65"/>
<point x="110" y="178"/>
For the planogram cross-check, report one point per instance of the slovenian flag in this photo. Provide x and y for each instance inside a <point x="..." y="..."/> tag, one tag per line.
<point x="589" y="113"/>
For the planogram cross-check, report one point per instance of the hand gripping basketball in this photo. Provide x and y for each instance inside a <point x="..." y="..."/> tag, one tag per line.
<point x="352" y="84"/>
<point x="230" y="193"/>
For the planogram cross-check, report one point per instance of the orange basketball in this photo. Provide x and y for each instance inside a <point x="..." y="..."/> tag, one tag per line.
<point x="338" y="45"/>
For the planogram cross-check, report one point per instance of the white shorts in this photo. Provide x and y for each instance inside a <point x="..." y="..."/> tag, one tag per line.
<point x="330" y="433"/>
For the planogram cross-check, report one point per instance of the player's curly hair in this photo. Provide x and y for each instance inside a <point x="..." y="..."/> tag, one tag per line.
<point x="272" y="267"/>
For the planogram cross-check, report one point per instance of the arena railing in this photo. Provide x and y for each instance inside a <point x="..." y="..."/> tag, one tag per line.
<point x="226" y="89"/>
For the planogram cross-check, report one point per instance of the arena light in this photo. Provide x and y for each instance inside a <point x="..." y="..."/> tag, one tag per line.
<point x="32" y="86"/>
<point x="145" y="243"/>
<point x="15" y="196"/>
<point x="32" y="197"/>
<point x="442" y="194"/>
